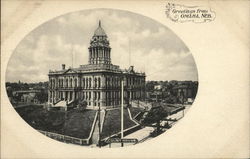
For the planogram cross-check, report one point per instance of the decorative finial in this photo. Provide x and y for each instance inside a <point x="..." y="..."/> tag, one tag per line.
<point x="99" y="23"/>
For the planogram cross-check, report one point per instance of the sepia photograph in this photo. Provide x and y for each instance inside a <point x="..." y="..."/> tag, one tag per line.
<point x="102" y="78"/>
<point x="124" y="79"/>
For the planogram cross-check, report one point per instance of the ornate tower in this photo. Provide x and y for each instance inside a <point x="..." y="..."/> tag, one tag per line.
<point x="99" y="50"/>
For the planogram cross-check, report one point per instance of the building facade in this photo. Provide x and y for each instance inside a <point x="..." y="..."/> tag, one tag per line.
<point x="186" y="91"/>
<point x="98" y="82"/>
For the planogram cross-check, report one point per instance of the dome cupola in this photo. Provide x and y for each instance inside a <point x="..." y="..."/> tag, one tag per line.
<point x="99" y="31"/>
<point x="99" y="50"/>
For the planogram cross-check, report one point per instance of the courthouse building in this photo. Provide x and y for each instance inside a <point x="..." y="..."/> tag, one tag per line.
<point x="98" y="82"/>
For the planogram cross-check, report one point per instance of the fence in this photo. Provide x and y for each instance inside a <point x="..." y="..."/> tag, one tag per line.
<point x="64" y="138"/>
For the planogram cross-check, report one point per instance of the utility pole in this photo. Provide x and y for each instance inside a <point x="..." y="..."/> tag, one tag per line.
<point x="99" y="125"/>
<point x="72" y="54"/>
<point x="122" y="111"/>
<point x="129" y="52"/>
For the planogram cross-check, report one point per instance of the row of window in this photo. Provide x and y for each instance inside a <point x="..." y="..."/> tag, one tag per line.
<point x="96" y="96"/>
<point x="94" y="54"/>
<point x="87" y="82"/>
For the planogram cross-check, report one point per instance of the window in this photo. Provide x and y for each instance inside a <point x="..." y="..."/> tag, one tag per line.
<point x="59" y="82"/>
<point x="90" y="82"/>
<point x="75" y="82"/>
<point x="95" y="83"/>
<point x="107" y="82"/>
<point x="70" y="83"/>
<point x="66" y="83"/>
<point x="99" y="82"/>
<point x="98" y="95"/>
<point x="111" y="82"/>
<point x="50" y="82"/>
<point x="53" y="83"/>
<point x="83" y="82"/>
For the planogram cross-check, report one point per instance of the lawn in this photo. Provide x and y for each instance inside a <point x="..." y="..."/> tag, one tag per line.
<point x="112" y="122"/>
<point x="72" y="123"/>
<point x="134" y="111"/>
<point x="79" y="124"/>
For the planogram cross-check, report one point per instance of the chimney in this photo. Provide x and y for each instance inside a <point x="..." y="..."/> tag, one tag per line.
<point x="131" y="68"/>
<point x="63" y="66"/>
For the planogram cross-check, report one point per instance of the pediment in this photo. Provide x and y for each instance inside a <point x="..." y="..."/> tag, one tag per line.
<point x="69" y="71"/>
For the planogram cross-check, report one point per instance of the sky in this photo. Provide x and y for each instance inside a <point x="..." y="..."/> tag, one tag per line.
<point x="154" y="49"/>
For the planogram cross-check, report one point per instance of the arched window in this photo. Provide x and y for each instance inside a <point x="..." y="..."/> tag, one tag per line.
<point x="90" y="81"/>
<point x="66" y="82"/>
<point x="83" y="82"/>
<point x="111" y="82"/>
<point x="75" y="82"/>
<point x="95" y="83"/>
<point x="70" y="83"/>
<point x="99" y="95"/>
<point x="107" y="82"/>
<point x="99" y="82"/>
<point x="53" y="83"/>
<point x="50" y="83"/>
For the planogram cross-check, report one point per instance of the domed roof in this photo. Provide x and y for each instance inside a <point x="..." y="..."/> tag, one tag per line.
<point x="99" y="31"/>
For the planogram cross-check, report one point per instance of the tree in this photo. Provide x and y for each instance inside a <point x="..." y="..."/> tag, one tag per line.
<point x="9" y="91"/>
<point x="155" y="115"/>
<point x="42" y="96"/>
<point x="150" y="85"/>
<point x="81" y="105"/>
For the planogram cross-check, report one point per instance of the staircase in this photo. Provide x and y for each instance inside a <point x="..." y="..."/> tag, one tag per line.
<point x="141" y="104"/>
<point x="95" y="136"/>
<point x="60" y="104"/>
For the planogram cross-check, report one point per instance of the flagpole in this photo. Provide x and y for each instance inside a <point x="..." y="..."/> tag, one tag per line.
<point x="122" y="112"/>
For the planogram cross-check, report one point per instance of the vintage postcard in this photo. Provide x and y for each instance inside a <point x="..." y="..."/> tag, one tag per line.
<point x="125" y="79"/>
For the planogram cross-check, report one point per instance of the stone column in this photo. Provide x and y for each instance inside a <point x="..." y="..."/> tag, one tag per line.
<point x="92" y="97"/>
<point x="56" y="95"/>
<point x="49" y="97"/>
<point x="73" y="95"/>
<point x="104" y="55"/>
<point x="53" y="97"/>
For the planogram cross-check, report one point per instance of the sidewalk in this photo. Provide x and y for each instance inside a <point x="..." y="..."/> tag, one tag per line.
<point x="139" y="135"/>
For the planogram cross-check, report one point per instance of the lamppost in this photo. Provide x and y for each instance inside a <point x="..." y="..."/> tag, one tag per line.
<point x="99" y="125"/>
<point x="122" y="91"/>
